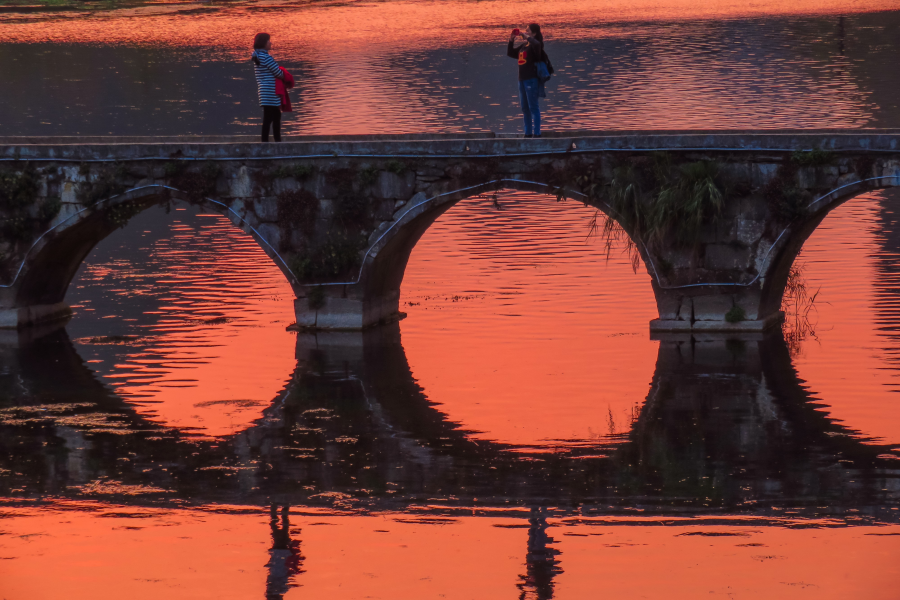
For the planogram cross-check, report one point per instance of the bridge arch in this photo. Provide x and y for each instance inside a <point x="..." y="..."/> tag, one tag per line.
<point x="40" y="281"/>
<point x="371" y="199"/>
<point x="790" y="244"/>
<point x="377" y="285"/>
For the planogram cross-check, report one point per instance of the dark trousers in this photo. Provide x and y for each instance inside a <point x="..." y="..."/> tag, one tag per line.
<point x="271" y="116"/>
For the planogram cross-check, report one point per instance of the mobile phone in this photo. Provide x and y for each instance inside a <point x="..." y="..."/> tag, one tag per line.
<point x="516" y="31"/>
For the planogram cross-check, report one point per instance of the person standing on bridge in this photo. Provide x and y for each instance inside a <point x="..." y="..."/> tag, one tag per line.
<point x="528" y="54"/>
<point x="267" y="71"/>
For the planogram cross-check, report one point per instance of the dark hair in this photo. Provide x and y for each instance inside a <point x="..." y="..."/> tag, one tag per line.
<point x="536" y="30"/>
<point x="260" y="41"/>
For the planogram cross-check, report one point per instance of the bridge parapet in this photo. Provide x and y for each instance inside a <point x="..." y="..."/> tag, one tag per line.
<point x="716" y="218"/>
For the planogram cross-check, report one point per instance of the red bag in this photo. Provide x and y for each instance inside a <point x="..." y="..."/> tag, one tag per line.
<point x="281" y="88"/>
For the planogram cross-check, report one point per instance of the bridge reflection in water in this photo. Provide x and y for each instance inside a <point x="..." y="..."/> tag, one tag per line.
<point x="727" y="430"/>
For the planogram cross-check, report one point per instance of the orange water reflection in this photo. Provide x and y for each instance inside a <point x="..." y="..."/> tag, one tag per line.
<point x="82" y="549"/>
<point x="851" y="364"/>
<point x="315" y="28"/>
<point x="521" y="330"/>
<point x="205" y="348"/>
<point x="620" y="65"/>
<point x="522" y="333"/>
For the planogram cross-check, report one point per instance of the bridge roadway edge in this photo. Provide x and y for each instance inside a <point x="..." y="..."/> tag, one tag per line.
<point x="737" y="261"/>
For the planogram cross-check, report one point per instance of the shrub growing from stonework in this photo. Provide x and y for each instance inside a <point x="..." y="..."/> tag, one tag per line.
<point x="22" y="213"/>
<point x="298" y="208"/>
<point x="337" y="258"/>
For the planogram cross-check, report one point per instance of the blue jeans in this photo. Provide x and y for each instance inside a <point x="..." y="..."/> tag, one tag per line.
<point x="528" y="96"/>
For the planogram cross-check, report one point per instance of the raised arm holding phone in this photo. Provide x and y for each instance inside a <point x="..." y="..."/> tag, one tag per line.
<point x="527" y="48"/>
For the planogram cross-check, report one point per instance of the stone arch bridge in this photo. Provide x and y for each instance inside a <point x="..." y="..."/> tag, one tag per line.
<point x="717" y="218"/>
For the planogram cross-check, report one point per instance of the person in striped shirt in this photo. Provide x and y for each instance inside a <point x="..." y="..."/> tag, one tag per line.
<point x="267" y="71"/>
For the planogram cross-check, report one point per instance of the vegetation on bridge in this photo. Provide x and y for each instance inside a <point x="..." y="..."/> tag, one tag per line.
<point x="22" y="211"/>
<point x="652" y="201"/>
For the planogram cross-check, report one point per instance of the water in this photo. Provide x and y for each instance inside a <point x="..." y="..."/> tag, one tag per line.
<point x="519" y="434"/>
<point x="406" y="66"/>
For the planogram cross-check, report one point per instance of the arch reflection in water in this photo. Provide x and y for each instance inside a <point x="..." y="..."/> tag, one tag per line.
<point x="850" y="359"/>
<point x="521" y="326"/>
<point x="727" y="433"/>
<point x="183" y="315"/>
<point x="727" y="426"/>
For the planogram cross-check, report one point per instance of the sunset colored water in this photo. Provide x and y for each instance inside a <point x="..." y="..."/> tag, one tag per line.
<point x="519" y="433"/>
<point x="441" y="66"/>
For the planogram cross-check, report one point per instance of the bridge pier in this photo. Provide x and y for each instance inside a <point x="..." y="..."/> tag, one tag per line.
<point x="737" y="309"/>
<point x="340" y="217"/>
<point x="28" y="316"/>
<point x="345" y="308"/>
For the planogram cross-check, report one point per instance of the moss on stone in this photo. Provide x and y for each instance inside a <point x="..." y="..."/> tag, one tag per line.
<point x="315" y="297"/>
<point x="395" y="166"/>
<point x="817" y="157"/>
<point x="783" y="195"/>
<point x="367" y="177"/>
<point x="736" y="314"/>
<point x="338" y="256"/>
<point x="120" y="214"/>
<point x="22" y="212"/>
<point x="100" y="185"/>
<point x="19" y="189"/>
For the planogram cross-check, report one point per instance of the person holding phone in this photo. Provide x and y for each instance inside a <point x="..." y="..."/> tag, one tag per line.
<point x="527" y="47"/>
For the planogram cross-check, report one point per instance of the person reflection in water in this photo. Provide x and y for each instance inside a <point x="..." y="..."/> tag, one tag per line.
<point x="267" y="71"/>
<point x="285" y="559"/>
<point x="528" y="53"/>
<point x="541" y="565"/>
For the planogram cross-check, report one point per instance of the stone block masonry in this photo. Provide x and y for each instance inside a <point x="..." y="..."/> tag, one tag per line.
<point x="341" y="216"/>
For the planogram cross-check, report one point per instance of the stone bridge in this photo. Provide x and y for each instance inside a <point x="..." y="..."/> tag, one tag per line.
<point x="716" y="218"/>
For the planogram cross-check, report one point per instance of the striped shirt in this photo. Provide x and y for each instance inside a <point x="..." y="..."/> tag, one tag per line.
<point x="266" y="72"/>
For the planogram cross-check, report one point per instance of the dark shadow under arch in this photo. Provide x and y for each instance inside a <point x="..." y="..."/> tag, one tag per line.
<point x="375" y="417"/>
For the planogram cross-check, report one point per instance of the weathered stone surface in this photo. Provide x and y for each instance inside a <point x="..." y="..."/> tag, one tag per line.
<point x="713" y="307"/>
<point x="667" y="305"/>
<point x="392" y="186"/>
<point x="418" y="198"/>
<point x="686" y="309"/>
<point x="285" y="184"/>
<point x="762" y="259"/>
<point x="848" y="178"/>
<point x="382" y="227"/>
<point x="248" y="217"/>
<point x="726" y="257"/>
<point x="266" y="209"/>
<point x="749" y="300"/>
<point x="761" y="174"/>
<point x="323" y="186"/>
<point x="748" y="231"/>
<point x="430" y="173"/>
<point x="359" y="198"/>
<point x="241" y="185"/>
<point x="271" y="234"/>
<point x="384" y="210"/>
<point x="68" y="193"/>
